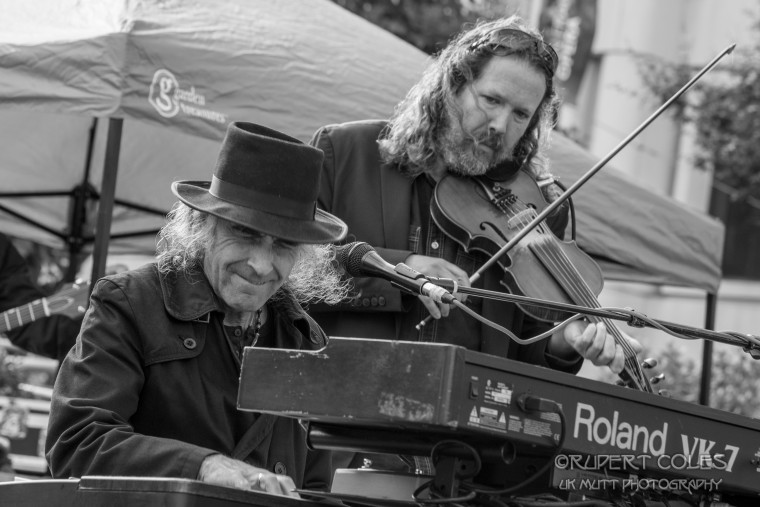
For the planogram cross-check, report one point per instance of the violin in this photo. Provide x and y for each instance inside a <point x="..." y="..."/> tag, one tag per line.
<point x="484" y="215"/>
<point x="505" y="220"/>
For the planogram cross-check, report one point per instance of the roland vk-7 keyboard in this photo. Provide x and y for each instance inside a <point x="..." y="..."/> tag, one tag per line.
<point x="403" y="397"/>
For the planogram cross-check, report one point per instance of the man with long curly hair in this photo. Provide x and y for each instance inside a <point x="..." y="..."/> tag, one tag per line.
<point x="483" y="108"/>
<point x="150" y="388"/>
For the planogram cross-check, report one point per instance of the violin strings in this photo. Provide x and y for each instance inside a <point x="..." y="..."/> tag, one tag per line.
<point x="570" y="279"/>
<point x="555" y="260"/>
<point x="584" y="295"/>
<point x="549" y="251"/>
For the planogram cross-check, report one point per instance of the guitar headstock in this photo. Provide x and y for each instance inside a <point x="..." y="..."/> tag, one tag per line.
<point x="71" y="300"/>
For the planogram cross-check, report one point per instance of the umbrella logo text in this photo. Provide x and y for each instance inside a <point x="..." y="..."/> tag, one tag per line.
<point x="162" y="91"/>
<point x="169" y="99"/>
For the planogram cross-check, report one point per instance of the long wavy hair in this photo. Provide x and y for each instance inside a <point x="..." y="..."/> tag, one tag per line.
<point x="189" y="233"/>
<point x="414" y="133"/>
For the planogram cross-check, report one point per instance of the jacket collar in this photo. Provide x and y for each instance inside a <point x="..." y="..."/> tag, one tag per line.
<point x="190" y="297"/>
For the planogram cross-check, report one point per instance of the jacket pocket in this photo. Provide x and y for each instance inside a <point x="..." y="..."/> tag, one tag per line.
<point x="184" y="341"/>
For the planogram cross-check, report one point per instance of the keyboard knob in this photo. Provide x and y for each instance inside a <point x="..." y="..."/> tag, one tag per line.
<point x="657" y="379"/>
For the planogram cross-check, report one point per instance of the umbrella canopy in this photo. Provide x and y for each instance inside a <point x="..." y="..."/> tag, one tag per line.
<point x="176" y="72"/>
<point x="196" y="65"/>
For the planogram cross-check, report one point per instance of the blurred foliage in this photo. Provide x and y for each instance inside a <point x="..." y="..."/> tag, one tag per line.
<point x="723" y="107"/>
<point x="427" y="24"/>
<point x="735" y="384"/>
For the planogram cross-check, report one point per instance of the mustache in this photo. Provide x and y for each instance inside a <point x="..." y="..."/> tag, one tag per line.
<point x="493" y="140"/>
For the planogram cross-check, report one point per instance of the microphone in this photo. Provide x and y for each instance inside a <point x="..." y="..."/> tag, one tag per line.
<point x="360" y="259"/>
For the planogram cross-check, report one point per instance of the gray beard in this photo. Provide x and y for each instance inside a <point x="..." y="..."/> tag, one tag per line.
<point x="459" y="151"/>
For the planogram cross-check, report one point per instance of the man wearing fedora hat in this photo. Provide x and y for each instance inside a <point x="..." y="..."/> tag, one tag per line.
<point x="150" y="387"/>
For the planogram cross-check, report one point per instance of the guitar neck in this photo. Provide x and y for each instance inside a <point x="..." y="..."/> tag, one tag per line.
<point x="23" y="315"/>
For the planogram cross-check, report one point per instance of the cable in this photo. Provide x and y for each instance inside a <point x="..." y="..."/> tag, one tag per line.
<point x="434" y="454"/>
<point x="634" y="318"/>
<point x="530" y="403"/>
<point x="571" y="208"/>
<point x="510" y="334"/>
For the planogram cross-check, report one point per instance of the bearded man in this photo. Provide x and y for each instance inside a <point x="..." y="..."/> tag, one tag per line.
<point x="484" y="106"/>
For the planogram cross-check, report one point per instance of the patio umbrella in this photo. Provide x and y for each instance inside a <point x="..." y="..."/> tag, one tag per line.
<point x="148" y="87"/>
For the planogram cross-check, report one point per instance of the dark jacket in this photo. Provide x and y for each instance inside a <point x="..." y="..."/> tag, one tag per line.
<point x="150" y="388"/>
<point x="375" y="199"/>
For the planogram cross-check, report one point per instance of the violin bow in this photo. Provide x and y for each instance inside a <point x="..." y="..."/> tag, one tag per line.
<point x="591" y="172"/>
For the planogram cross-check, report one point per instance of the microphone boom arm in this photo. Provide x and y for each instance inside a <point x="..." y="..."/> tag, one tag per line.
<point x="748" y="342"/>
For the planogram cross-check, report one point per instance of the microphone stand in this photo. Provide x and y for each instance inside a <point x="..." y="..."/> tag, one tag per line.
<point x="750" y="343"/>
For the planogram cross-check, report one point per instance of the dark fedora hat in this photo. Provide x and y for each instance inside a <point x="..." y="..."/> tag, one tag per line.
<point x="267" y="181"/>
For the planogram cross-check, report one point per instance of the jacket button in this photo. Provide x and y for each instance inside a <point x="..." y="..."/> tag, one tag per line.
<point x="373" y="301"/>
<point x="280" y="468"/>
<point x="434" y="245"/>
<point x="381" y="301"/>
<point x="365" y="302"/>
<point x="189" y="343"/>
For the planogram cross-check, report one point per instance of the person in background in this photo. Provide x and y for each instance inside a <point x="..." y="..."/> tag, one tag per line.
<point x="484" y="107"/>
<point x="50" y="336"/>
<point x="6" y="466"/>
<point x="150" y="388"/>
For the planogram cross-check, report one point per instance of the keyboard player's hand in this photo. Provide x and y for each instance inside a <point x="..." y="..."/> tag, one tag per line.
<point x="224" y="471"/>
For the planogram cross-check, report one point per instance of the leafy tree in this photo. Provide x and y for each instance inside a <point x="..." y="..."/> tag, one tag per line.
<point x="724" y="109"/>
<point x="426" y="24"/>
<point x="735" y="386"/>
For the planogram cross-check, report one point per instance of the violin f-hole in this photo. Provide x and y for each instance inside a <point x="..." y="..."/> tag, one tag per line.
<point x="485" y="225"/>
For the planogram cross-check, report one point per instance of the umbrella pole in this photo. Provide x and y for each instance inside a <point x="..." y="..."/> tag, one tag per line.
<point x="107" y="195"/>
<point x="707" y="349"/>
<point x="78" y="215"/>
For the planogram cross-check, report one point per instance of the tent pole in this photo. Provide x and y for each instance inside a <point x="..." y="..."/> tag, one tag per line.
<point x="107" y="195"/>
<point x="707" y="348"/>
<point x="80" y="194"/>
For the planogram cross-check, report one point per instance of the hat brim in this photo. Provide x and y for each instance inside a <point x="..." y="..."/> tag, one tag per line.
<point x="325" y="228"/>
